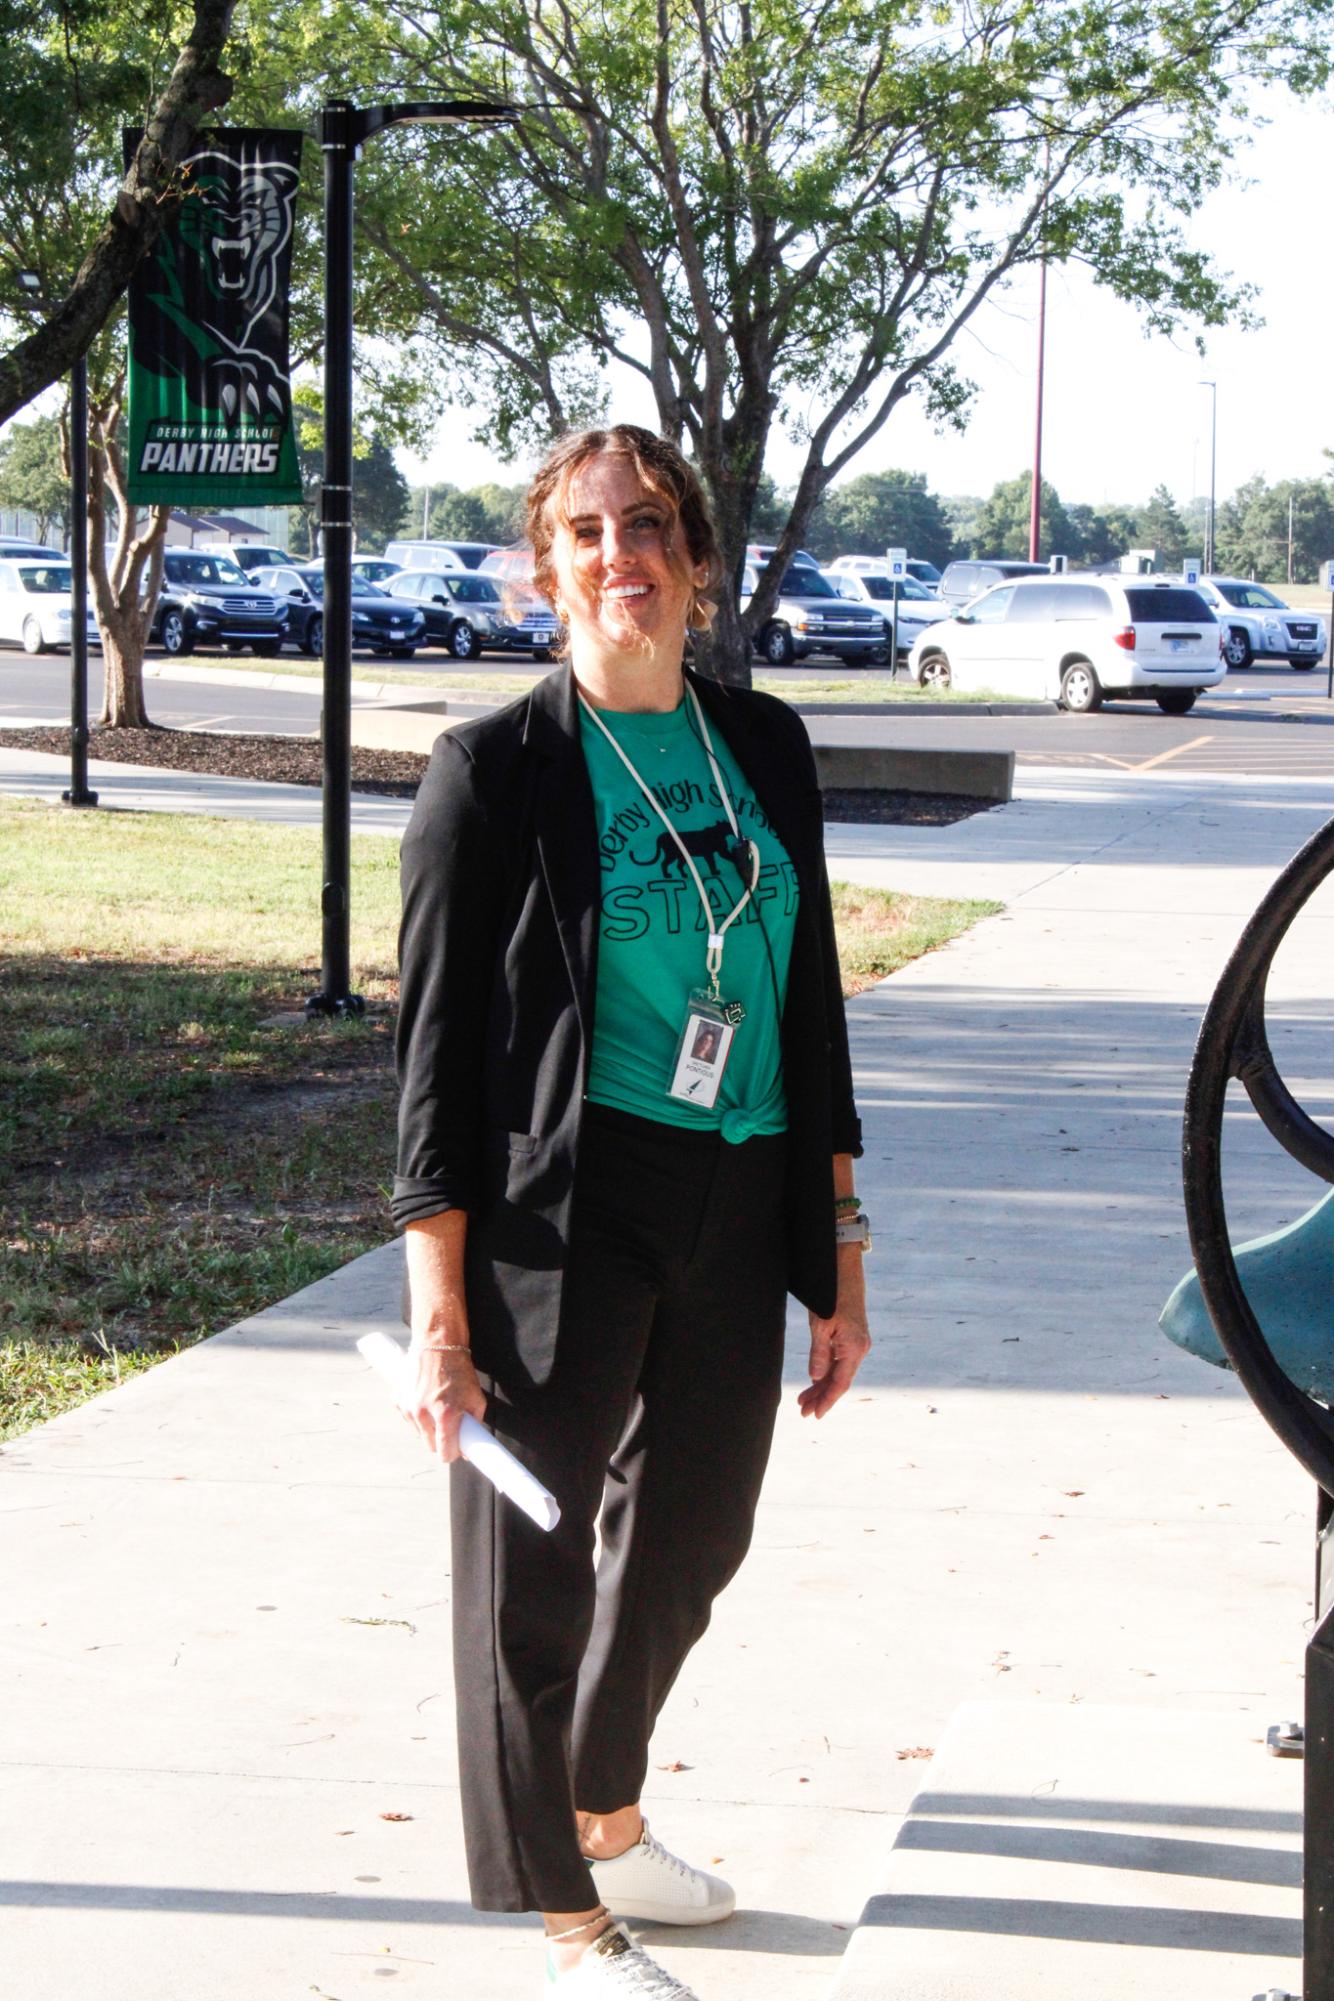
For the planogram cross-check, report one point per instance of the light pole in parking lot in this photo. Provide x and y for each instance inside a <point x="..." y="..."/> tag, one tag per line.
<point x="1210" y="538"/>
<point x="344" y="129"/>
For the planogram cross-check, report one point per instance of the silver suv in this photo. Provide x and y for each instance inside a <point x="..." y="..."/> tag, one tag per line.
<point x="811" y="617"/>
<point x="1259" y="626"/>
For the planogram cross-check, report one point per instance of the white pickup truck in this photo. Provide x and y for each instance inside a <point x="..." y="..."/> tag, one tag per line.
<point x="1259" y="626"/>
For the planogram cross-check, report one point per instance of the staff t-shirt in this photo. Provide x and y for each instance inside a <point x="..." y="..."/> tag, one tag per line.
<point x="653" y="936"/>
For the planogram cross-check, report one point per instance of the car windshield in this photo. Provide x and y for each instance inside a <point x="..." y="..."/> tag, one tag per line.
<point x="363" y="587"/>
<point x="200" y="569"/>
<point x="313" y="581"/>
<point x="883" y="589"/>
<point x="474" y="590"/>
<point x="45" y="579"/>
<point x="1250" y="597"/>
<point x="803" y="583"/>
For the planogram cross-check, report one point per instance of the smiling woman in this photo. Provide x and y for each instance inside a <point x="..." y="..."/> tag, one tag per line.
<point x="626" y="1133"/>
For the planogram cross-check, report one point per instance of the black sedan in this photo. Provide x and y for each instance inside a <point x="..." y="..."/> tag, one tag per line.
<point x="471" y="614"/>
<point x="379" y="623"/>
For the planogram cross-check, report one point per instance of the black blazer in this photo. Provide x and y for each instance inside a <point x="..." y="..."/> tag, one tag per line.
<point x="498" y="960"/>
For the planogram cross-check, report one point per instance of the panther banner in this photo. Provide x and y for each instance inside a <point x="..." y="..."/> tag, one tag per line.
<point x="210" y="402"/>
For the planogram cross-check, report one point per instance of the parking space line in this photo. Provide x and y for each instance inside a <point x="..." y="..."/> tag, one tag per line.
<point x="1165" y="756"/>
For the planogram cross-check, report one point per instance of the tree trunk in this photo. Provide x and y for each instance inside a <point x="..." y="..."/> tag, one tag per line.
<point x="125" y="587"/>
<point x="723" y="652"/>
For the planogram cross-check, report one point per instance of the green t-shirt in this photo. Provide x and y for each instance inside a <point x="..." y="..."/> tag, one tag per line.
<point x="653" y="937"/>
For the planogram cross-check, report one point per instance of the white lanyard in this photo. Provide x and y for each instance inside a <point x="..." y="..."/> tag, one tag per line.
<point x="716" y="938"/>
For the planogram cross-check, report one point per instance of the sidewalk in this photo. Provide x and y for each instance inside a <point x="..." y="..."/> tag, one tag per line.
<point x="225" y="1585"/>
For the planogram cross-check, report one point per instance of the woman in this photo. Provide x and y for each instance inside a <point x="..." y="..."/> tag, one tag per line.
<point x="626" y="1132"/>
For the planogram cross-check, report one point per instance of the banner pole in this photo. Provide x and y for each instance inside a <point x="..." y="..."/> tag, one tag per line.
<point x="339" y="145"/>
<point x="78" y="793"/>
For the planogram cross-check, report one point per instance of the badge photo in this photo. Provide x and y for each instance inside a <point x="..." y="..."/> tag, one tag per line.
<point x="701" y="1058"/>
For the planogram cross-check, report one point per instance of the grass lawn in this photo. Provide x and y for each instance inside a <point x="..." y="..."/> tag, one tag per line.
<point x="172" y="1157"/>
<point x="835" y="684"/>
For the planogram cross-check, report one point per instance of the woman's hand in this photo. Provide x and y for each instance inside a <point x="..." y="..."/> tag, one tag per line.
<point x="840" y="1344"/>
<point x="446" y="1390"/>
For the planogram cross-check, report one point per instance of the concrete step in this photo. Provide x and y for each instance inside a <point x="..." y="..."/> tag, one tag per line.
<point x="1090" y="1853"/>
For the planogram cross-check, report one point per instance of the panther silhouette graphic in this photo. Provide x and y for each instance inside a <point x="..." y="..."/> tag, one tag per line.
<point x="706" y="844"/>
<point x="230" y="252"/>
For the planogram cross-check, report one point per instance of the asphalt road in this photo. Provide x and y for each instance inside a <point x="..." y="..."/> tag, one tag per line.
<point x="1266" y="721"/>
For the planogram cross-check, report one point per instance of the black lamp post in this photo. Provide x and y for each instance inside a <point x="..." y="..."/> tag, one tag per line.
<point x="77" y="793"/>
<point x="1211" y="536"/>
<point x="344" y="128"/>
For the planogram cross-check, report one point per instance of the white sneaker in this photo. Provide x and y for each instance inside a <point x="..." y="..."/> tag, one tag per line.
<point x="614" y="1965"/>
<point x="651" y="1883"/>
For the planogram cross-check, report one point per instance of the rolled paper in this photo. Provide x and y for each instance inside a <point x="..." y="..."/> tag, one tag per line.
<point x="490" y="1458"/>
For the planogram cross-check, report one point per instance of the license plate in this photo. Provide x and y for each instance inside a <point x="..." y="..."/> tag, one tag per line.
<point x="543" y="638"/>
<point x="1180" y="645"/>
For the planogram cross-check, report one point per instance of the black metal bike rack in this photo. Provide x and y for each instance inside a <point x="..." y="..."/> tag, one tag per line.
<point x="1234" y="1042"/>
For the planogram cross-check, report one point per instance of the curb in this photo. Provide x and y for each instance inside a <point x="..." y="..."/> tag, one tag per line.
<point x="238" y="677"/>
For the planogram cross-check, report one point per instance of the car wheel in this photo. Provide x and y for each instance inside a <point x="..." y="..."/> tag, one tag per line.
<point x="878" y="656"/>
<point x="1177" y="701"/>
<point x="1080" y="693"/>
<point x="175" y="633"/>
<point x="313" y="643"/>
<point x="461" y="640"/>
<point x="1237" y="648"/>
<point x="934" y="672"/>
<point x="777" y="647"/>
<point x="32" y="636"/>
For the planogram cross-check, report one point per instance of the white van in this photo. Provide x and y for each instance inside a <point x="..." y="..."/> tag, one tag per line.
<point x="1075" y="640"/>
<point x="423" y="556"/>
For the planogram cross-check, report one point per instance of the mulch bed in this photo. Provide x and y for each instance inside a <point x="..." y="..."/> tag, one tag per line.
<point x="396" y="774"/>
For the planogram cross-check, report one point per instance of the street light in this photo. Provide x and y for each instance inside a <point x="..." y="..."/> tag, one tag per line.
<point x="344" y="128"/>
<point x="1210" y="536"/>
<point x="78" y="793"/>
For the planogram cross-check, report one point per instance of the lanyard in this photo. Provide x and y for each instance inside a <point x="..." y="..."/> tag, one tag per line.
<point x="716" y="938"/>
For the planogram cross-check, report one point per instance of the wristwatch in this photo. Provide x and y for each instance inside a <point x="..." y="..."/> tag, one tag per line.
<point x="854" y="1230"/>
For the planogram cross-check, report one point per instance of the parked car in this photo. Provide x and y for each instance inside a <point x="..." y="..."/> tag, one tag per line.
<point x="471" y="614"/>
<point x="759" y="553"/>
<point x="35" y="603"/>
<point x="917" y="567"/>
<point x="471" y="554"/>
<point x="811" y="617"/>
<point x="1075" y="641"/>
<point x="1257" y="625"/>
<point x="374" y="569"/>
<point x="23" y="545"/>
<point x="380" y="623"/>
<point x="918" y="608"/>
<point x="513" y="566"/>
<point x="423" y="556"/>
<point x="962" y="581"/>
<point x="257" y="555"/>
<point x="206" y="597"/>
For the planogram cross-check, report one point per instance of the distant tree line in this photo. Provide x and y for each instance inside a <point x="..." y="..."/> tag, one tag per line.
<point x="869" y="514"/>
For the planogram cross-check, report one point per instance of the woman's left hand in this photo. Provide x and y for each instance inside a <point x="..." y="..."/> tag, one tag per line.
<point x="840" y="1344"/>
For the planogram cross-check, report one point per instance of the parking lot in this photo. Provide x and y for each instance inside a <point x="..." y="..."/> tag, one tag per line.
<point x="1266" y="721"/>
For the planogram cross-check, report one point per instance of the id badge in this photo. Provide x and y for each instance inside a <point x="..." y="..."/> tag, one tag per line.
<point x="703" y="1049"/>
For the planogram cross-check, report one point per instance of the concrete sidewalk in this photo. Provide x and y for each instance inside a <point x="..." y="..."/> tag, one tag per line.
<point x="226" y="1586"/>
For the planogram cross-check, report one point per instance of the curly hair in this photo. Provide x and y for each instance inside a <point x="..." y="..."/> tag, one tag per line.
<point x="664" y="471"/>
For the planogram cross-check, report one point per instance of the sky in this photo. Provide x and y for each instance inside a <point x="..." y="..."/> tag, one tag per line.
<point x="1123" y="413"/>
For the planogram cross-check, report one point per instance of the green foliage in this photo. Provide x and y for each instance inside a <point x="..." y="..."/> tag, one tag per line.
<point x="488" y="513"/>
<point x="33" y="475"/>
<point x="1253" y="530"/>
<point x="1159" y="526"/>
<point x="1001" y="525"/>
<point x="879" y="511"/>
<point x="379" y="490"/>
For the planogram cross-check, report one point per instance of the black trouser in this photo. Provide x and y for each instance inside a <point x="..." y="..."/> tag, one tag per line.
<point x="659" y="1412"/>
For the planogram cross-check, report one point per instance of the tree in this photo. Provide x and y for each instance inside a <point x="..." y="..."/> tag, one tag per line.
<point x="1253" y="530"/>
<point x="56" y="59"/>
<point x="1160" y="527"/>
<point x="34" y="474"/>
<point x="784" y="212"/>
<point x="1102" y="534"/>
<point x="1002" y="523"/>
<point x="879" y="511"/>
<point x="379" y="490"/>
